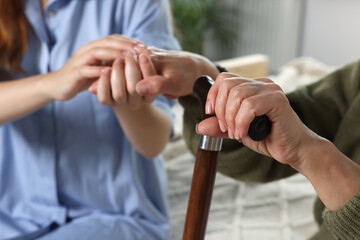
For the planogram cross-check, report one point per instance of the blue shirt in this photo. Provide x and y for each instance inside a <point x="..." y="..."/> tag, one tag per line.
<point x="71" y="160"/>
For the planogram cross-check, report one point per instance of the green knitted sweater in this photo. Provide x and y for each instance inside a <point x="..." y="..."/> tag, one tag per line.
<point x="331" y="108"/>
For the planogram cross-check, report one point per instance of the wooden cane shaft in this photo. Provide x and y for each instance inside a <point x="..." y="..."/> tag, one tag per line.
<point x="200" y="194"/>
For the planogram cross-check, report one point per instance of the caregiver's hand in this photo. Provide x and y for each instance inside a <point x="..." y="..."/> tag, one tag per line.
<point x="117" y="84"/>
<point x="86" y="65"/>
<point x="24" y="96"/>
<point x="177" y="72"/>
<point x="236" y="101"/>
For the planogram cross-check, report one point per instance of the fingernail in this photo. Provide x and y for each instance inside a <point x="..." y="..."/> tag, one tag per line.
<point x="142" y="89"/>
<point x="222" y="126"/>
<point x="137" y="48"/>
<point x="237" y="134"/>
<point x="118" y="61"/>
<point x="124" y="53"/>
<point x="231" y="133"/>
<point x="143" y="59"/>
<point x="208" y="107"/>
<point x="105" y="71"/>
<point x="196" y="128"/>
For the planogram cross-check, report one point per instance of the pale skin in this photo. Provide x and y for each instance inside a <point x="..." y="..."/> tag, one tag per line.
<point x="236" y="101"/>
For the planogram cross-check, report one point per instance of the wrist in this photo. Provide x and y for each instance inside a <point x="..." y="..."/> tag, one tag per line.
<point x="208" y="68"/>
<point x="335" y="177"/>
<point x="44" y="84"/>
<point x="132" y="109"/>
<point x="313" y="153"/>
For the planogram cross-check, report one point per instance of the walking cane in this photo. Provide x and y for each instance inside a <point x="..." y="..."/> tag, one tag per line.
<point x="205" y="166"/>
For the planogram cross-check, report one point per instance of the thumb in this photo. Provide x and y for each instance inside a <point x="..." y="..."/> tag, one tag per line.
<point x="146" y="66"/>
<point x="94" y="87"/>
<point x="153" y="85"/>
<point x="210" y="127"/>
<point x="147" y="69"/>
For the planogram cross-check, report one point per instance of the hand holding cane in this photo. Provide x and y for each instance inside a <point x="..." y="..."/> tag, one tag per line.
<point x="205" y="166"/>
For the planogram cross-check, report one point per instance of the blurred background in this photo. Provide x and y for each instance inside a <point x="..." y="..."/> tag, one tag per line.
<point x="326" y="30"/>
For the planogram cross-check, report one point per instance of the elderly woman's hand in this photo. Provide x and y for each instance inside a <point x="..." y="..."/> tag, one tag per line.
<point x="236" y="101"/>
<point x="177" y="72"/>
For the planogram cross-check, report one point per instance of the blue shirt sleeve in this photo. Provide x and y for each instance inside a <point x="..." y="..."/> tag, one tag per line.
<point x="152" y="24"/>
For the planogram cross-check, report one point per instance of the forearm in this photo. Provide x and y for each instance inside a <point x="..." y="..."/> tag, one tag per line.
<point x="335" y="177"/>
<point x="147" y="128"/>
<point x="19" y="98"/>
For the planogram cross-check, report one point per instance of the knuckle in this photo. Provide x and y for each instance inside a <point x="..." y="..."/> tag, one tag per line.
<point x="93" y="52"/>
<point x="79" y="71"/>
<point x="264" y="79"/>
<point x="248" y="103"/>
<point x="105" y="41"/>
<point x="119" y="97"/>
<point x="280" y="96"/>
<point x="222" y="76"/>
<point x="229" y="119"/>
<point x="101" y="99"/>
<point x="235" y="93"/>
<point x="132" y="89"/>
<point x="274" y="86"/>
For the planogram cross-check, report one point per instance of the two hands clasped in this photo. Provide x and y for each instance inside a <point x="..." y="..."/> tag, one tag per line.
<point x="117" y="68"/>
<point x="109" y="67"/>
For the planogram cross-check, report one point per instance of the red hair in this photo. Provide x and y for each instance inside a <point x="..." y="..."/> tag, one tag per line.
<point x="13" y="35"/>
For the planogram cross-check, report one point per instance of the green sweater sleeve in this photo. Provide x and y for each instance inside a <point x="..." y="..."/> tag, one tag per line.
<point x="345" y="223"/>
<point x="321" y="106"/>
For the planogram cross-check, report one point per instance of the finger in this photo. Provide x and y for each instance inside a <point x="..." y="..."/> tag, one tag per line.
<point x="232" y="107"/>
<point x="212" y="94"/>
<point x="147" y="69"/>
<point x="118" y="82"/>
<point x="154" y="85"/>
<point x="210" y="127"/>
<point x="125" y="38"/>
<point x="90" y="71"/>
<point x="101" y="54"/>
<point x="242" y="89"/>
<point x="93" y="87"/>
<point x="225" y="84"/>
<point x="104" y="92"/>
<point x="251" y="107"/>
<point x="133" y="76"/>
<point x="97" y="56"/>
<point x="146" y="66"/>
<point x="221" y="100"/>
<point x="116" y="41"/>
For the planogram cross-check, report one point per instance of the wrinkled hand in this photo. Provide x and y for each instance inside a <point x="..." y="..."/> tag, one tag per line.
<point x="236" y="101"/>
<point x="177" y="72"/>
<point x="87" y="64"/>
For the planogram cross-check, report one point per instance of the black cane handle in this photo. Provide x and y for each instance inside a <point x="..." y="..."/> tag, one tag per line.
<point x="259" y="128"/>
